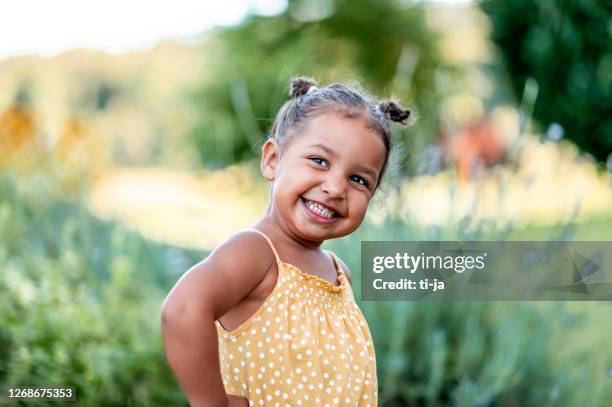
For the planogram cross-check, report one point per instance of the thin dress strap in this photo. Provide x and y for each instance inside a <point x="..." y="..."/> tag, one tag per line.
<point x="270" y="243"/>
<point x="336" y="262"/>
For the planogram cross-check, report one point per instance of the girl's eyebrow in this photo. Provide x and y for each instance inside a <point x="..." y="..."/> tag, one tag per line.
<point x="324" y="148"/>
<point x="369" y="171"/>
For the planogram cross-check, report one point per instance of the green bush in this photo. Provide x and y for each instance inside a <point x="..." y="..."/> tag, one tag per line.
<point x="80" y="302"/>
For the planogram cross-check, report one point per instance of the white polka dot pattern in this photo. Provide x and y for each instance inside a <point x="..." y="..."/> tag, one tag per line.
<point x="308" y="344"/>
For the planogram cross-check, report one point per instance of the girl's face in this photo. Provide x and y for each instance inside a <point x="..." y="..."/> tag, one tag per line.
<point x="325" y="177"/>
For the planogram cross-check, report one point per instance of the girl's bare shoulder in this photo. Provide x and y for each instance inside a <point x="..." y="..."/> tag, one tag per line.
<point x="247" y="249"/>
<point x="227" y="275"/>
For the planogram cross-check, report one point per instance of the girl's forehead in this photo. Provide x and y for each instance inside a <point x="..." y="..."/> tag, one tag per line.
<point x="333" y="129"/>
<point x="338" y="135"/>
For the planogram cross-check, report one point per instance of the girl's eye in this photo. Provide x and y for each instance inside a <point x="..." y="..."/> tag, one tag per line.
<point x="321" y="161"/>
<point x="360" y="180"/>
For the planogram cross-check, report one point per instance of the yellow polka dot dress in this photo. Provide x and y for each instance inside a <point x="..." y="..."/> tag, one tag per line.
<point x="308" y="344"/>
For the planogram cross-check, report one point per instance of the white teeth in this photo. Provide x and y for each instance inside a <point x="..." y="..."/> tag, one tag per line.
<point x="320" y="209"/>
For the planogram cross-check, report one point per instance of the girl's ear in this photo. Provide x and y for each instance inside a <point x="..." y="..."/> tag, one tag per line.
<point x="270" y="154"/>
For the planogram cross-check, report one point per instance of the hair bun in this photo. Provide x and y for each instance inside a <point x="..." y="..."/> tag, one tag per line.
<point x="394" y="112"/>
<point x="301" y="85"/>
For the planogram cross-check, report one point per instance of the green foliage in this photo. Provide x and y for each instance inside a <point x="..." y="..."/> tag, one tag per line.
<point x="249" y="66"/>
<point x="473" y="353"/>
<point x="80" y="301"/>
<point x="565" y="47"/>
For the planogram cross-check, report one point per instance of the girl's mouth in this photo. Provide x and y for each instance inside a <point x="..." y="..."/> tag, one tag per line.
<point x="318" y="212"/>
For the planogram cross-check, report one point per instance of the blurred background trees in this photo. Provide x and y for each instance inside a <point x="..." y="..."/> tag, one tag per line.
<point x="566" y="48"/>
<point x="388" y="47"/>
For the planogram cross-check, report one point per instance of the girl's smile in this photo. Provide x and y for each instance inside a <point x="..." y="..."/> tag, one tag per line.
<point x="319" y="212"/>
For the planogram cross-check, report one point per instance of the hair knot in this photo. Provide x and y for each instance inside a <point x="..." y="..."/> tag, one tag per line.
<point x="301" y="86"/>
<point x="394" y="112"/>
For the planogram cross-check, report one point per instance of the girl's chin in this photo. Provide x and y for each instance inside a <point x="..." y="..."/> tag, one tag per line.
<point x="317" y="233"/>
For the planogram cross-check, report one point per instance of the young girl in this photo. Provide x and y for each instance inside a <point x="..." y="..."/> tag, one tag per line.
<point x="269" y="319"/>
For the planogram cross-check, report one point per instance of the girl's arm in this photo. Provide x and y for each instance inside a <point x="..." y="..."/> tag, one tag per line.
<point x="203" y="294"/>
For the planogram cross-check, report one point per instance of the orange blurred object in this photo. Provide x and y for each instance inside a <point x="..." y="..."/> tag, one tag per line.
<point x="474" y="148"/>
<point x="16" y="128"/>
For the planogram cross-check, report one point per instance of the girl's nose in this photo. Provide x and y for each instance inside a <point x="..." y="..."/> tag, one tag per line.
<point x="334" y="187"/>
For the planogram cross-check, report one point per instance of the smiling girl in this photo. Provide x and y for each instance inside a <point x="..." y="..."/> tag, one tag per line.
<point x="268" y="318"/>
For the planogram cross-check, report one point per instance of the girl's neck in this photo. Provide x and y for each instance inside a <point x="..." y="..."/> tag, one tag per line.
<point x="281" y="236"/>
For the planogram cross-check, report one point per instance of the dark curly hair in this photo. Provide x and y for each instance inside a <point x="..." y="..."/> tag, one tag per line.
<point x="308" y="101"/>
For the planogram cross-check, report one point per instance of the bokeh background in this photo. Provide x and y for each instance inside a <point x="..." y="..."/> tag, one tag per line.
<point x="121" y="168"/>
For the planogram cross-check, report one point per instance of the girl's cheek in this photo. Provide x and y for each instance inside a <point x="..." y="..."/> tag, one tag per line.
<point x="362" y="208"/>
<point x="365" y="199"/>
